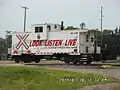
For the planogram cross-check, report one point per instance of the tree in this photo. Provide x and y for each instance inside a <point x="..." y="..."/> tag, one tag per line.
<point x="119" y="30"/>
<point x="112" y="40"/>
<point x="82" y="25"/>
<point x="107" y="32"/>
<point x="8" y="40"/>
<point x="5" y="44"/>
<point x="116" y="30"/>
<point x="2" y="46"/>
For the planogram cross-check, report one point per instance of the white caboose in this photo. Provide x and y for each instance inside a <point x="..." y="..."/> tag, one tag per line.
<point x="51" y="40"/>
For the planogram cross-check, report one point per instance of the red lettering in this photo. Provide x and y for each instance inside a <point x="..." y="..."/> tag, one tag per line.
<point x="50" y="43"/>
<point x="71" y="42"/>
<point x="74" y="42"/>
<point x="34" y="43"/>
<point x="46" y="43"/>
<point x="39" y="43"/>
<point x="56" y="42"/>
<point x="66" y="42"/>
<point x="53" y="42"/>
<point x="60" y="42"/>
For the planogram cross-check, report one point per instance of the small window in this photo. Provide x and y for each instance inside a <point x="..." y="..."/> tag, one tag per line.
<point x="87" y="49"/>
<point x="87" y="38"/>
<point x="38" y="29"/>
<point x="95" y="36"/>
<point x="55" y="26"/>
<point x="92" y="39"/>
<point x="49" y="27"/>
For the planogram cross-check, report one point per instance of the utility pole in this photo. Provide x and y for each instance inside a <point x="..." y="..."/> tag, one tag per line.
<point x="101" y="15"/>
<point x="25" y="17"/>
<point x="101" y="19"/>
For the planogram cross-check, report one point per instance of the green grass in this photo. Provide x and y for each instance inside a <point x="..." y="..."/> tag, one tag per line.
<point x="24" y="78"/>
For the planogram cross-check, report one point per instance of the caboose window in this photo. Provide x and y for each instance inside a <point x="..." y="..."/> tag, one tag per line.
<point x="49" y="27"/>
<point x="38" y="29"/>
<point x="55" y="26"/>
<point x="92" y="39"/>
<point x="87" y="38"/>
<point x="87" y="49"/>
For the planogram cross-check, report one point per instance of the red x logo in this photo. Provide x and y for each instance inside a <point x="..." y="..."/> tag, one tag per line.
<point x="22" y="41"/>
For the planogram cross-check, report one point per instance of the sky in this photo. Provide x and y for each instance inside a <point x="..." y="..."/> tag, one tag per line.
<point x="72" y="12"/>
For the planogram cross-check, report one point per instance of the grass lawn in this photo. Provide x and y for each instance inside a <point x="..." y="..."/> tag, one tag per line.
<point x="24" y="78"/>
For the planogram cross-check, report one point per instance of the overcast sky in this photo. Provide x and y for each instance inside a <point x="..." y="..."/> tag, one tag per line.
<point x="72" y="12"/>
